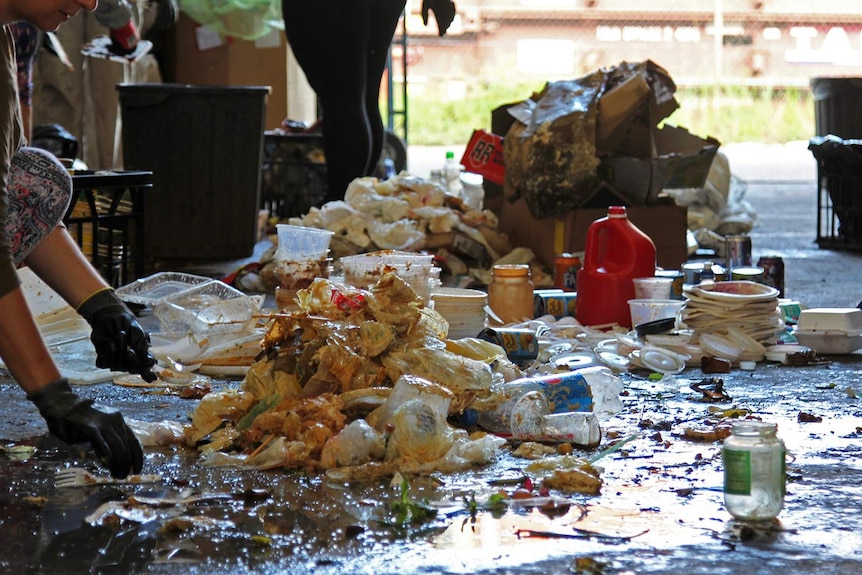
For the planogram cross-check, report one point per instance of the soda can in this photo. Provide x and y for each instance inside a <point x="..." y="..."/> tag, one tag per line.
<point x="566" y="268"/>
<point x="773" y="272"/>
<point x="676" y="286"/>
<point x="558" y="304"/>
<point x="747" y="273"/>
<point x="520" y="344"/>
<point x="737" y="251"/>
<point x="695" y="272"/>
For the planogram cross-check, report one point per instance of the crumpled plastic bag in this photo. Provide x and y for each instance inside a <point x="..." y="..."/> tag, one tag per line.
<point x="401" y="235"/>
<point x="362" y="196"/>
<point x="246" y="19"/>
<point x="356" y="444"/>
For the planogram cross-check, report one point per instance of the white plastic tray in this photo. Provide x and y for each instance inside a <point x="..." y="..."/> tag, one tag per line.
<point x="149" y="290"/>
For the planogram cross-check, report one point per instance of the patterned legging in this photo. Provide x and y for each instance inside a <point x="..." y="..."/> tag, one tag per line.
<point x="39" y="190"/>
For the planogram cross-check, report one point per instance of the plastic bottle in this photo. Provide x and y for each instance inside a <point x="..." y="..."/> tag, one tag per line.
<point x="473" y="191"/>
<point x="558" y="407"/>
<point x="616" y="253"/>
<point x="452" y="174"/>
<point x="510" y="293"/>
<point x="754" y="471"/>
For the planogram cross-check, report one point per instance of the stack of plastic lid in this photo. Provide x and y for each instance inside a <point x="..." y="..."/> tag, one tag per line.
<point x="464" y="309"/>
<point x="417" y="270"/>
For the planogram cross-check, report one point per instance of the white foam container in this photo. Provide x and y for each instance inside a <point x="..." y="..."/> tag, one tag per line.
<point x="830" y="342"/>
<point x="830" y="330"/>
<point x="831" y="319"/>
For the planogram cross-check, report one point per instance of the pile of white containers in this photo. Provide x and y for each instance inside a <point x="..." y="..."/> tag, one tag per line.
<point x="417" y="270"/>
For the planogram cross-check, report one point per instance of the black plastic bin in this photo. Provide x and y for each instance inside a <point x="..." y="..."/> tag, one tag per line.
<point x="839" y="192"/>
<point x="836" y="106"/>
<point x="293" y="173"/>
<point x="204" y="146"/>
<point x="105" y="218"/>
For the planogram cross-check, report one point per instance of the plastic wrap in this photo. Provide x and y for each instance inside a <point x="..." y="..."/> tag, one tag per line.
<point x="246" y="19"/>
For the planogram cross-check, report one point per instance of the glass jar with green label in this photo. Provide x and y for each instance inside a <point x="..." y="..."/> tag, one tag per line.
<point x="754" y="471"/>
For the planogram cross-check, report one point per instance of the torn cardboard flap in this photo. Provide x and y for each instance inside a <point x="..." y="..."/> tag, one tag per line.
<point x="616" y="110"/>
<point x="574" y="136"/>
<point x="681" y="160"/>
<point x="636" y="98"/>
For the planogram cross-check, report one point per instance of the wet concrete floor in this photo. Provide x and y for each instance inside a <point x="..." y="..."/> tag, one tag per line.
<point x="660" y="509"/>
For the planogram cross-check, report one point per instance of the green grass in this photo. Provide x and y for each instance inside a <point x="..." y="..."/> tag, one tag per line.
<point x="730" y="114"/>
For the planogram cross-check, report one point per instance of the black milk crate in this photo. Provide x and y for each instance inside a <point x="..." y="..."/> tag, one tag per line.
<point x="106" y="219"/>
<point x="839" y="195"/>
<point x="293" y="173"/>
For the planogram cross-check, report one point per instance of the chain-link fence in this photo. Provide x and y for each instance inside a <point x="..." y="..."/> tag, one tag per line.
<point x="742" y="67"/>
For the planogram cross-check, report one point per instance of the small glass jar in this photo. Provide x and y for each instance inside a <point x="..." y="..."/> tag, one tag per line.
<point x="510" y="293"/>
<point x="754" y="471"/>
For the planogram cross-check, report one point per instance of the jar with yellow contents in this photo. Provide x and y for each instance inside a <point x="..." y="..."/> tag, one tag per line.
<point x="510" y="293"/>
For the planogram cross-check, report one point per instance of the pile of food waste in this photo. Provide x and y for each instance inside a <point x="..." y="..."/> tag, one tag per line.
<point x="361" y="383"/>
<point x="406" y="213"/>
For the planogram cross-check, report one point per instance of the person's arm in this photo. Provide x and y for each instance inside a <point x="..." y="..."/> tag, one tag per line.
<point x="21" y="345"/>
<point x="59" y="262"/>
<point x="72" y="419"/>
<point x="121" y="343"/>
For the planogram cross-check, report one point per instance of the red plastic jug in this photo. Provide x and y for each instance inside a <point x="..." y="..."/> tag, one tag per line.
<point x="616" y="252"/>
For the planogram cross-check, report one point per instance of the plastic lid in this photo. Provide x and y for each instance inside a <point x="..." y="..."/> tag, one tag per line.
<point x="450" y="155"/>
<point x="617" y="211"/>
<point x="512" y="270"/>
<point x="655" y="327"/>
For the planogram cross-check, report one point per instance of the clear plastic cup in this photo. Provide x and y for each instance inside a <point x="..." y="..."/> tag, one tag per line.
<point x="300" y="243"/>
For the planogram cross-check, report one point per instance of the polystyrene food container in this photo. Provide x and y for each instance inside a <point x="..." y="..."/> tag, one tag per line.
<point x="831" y="319"/>
<point x="830" y="330"/>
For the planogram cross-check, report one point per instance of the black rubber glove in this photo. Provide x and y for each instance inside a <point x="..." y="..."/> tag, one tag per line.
<point x="444" y="13"/>
<point x="76" y="420"/>
<point x="120" y="341"/>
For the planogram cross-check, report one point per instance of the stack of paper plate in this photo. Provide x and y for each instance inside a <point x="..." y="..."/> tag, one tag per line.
<point x="739" y="308"/>
<point x="464" y="309"/>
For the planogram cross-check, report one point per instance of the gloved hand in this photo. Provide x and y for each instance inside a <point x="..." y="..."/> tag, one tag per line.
<point x="444" y="13"/>
<point x="120" y="341"/>
<point x="75" y="420"/>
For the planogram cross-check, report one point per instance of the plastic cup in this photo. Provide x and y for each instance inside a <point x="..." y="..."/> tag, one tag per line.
<point x="652" y="288"/>
<point x="646" y="310"/>
<point x="301" y="244"/>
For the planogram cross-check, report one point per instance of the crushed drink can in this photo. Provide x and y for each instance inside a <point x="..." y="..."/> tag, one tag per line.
<point x="773" y="272"/>
<point x="556" y="303"/>
<point x="678" y="278"/>
<point x="520" y="344"/>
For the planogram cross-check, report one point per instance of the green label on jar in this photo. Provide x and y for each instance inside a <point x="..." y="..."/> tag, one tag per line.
<point x="737" y="472"/>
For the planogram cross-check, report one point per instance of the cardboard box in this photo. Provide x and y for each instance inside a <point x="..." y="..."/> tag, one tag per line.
<point x="233" y="62"/>
<point x="637" y="159"/>
<point x="666" y="225"/>
<point x="681" y="160"/>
